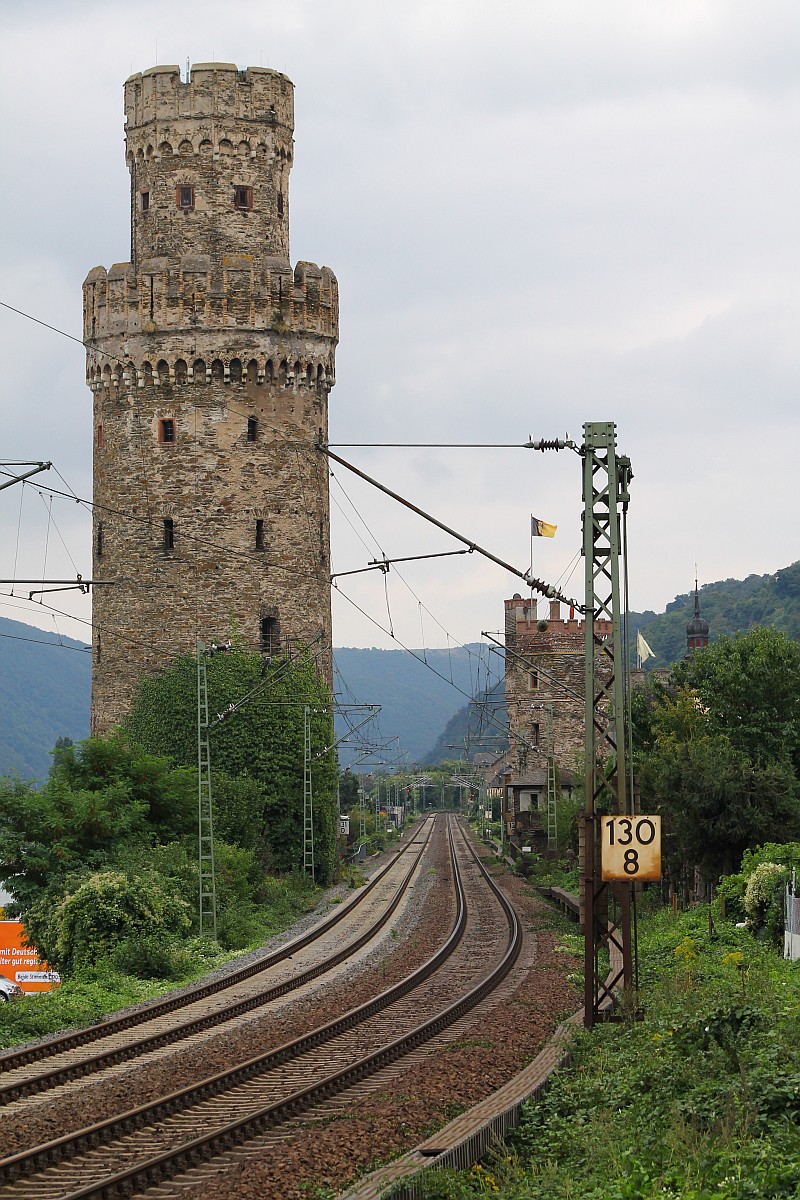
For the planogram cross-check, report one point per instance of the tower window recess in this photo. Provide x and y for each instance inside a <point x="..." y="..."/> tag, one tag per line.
<point x="184" y="197"/>
<point x="99" y="437"/>
<point x="166" y="431"/>
<point x="169" y="535"/>
<point x="280" y="204"/>
<point x="252" y="428"/>
<point x="243" y="198"/>
<point x="145" y="197"/>
<point x="534" y="738"/>
<point x="99" y="539"/>
<point x="260" y="538"/>
<point x="534" y="680"/>
<point x="270" y="635"/>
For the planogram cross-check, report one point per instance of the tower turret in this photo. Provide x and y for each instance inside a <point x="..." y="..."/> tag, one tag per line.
<point x="210" y="360"/>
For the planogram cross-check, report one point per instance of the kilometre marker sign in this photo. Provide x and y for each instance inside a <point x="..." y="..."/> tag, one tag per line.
<point x="631" y="847"/>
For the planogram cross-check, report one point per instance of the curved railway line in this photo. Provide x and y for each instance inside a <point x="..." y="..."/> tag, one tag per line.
<point x="158" y="1141"/>
<point x="22" y="1072"/>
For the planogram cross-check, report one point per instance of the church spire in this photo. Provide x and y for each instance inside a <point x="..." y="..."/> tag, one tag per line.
<point x="697" y="628"/>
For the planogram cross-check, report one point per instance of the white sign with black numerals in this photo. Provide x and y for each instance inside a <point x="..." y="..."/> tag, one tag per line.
<point x="630" y="847"/>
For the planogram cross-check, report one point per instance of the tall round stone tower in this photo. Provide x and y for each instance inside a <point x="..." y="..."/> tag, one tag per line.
<point x="210" y="360"/>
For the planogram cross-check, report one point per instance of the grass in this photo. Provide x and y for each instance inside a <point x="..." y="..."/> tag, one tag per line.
<point x="700" y="1099"/>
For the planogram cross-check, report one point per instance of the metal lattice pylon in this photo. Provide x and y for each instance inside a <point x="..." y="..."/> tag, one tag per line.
<point x="205" y="815"/>
<point x="308" y="798"/>
<point x="606" y="907"/>
<point x="552" y="793"/>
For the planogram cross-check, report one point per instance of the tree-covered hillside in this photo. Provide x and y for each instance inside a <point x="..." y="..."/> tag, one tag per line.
<point x="45" y="687"/>
<point x="44" y="694"/>
<point x="416" y="702"/>
<point x="730" y="606"/>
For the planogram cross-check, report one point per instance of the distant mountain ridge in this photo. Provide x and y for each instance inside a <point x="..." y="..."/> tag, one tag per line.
<point x="45" y="684"/>
<point x="45" y="680"/>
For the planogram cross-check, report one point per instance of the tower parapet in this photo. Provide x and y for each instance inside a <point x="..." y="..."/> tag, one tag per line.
<point x="210" y="361"/>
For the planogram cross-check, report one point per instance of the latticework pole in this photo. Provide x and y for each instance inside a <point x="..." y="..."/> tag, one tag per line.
<point x="205" y="815"/>
<point x="606" y="908"/>
<point x="308" y="798"/>
<point x="552" y="795"/>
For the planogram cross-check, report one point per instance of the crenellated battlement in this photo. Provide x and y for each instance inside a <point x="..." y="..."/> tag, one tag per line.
<point x="200" y="295"/>
<point x="214" y="92"/>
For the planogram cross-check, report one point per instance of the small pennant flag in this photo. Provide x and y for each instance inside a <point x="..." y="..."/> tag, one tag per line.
<point x="542" y="529"/>
<point x="642" y="649"/>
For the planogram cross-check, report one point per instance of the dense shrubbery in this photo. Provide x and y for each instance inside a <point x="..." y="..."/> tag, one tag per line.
<point x="102" y="859"/>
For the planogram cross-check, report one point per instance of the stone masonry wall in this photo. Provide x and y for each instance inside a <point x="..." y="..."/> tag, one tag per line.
<point x="553" y="673"/>
<point x="210" y="362"/>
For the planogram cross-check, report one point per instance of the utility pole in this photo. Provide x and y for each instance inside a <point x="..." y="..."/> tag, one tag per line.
<point x="308" y="799"/>
<point x="606" y="907"/>
<point x="362" y="813"/>
<point x="552" y="795"/>
<point x="205" y="814"/>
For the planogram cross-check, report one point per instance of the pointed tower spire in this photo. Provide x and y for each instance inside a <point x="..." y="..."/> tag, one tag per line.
<point x="697" y="628"/>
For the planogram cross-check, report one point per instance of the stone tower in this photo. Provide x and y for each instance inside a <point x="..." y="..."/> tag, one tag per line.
<point x="210" y="360"/>
<point x="550" y="670"/>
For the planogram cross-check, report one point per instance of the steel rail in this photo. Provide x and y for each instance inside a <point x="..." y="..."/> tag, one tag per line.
<point x="160" y="1008"/>
<point x="142" y="1046"/>
<point x="169" y="1163"/>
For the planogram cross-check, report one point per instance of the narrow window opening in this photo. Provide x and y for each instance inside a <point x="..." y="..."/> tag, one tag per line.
<point x="270" y="635"/>
<point x="243" y="198"/>
<point x="145" y="201"/>
<point x="166" y="431"/>
<point x="99" y="539"/>
<point x="99" y="437"/>
<point x="534" y="735"/>
<point x="259" y="534"/>
<point x="280" y="204"/>
<point x="534" y="680"/>
<point x="184" y="197"/>
<point x="169" y="535"/>
<point x="151" y="297"/>
<point x="252" y="428"/>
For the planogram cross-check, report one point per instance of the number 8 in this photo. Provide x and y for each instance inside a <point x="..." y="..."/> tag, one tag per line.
<point x="631" y="865"/>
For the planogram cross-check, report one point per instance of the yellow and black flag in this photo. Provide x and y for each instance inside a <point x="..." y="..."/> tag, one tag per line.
<point x="542" y="529"/>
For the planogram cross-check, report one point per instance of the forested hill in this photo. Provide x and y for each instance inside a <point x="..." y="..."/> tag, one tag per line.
<point x="45" y="683"/>
<point x="417" y="697"/>
<point x="44" y="688"/>
<point x="729" y="606"/>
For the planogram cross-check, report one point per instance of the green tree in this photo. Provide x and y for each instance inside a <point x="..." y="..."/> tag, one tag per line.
<point x="101" y="794"/>
<point x="749" y="687"/>
<point x="717" y="750"/>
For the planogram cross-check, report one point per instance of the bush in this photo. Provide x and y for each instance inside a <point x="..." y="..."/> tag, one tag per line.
<point x="763" y="900"/>
<point x="106" y="908"/>
<point x="153" y="958"/>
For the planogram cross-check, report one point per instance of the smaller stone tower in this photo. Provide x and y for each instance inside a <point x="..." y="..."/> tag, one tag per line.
<point x="553" y="673"/>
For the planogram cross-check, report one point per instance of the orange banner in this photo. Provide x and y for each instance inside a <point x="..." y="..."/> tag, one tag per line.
<point x="20" y="963"/>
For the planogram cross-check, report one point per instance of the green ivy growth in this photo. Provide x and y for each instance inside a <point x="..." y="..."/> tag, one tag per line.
<point x="256" y="753"/>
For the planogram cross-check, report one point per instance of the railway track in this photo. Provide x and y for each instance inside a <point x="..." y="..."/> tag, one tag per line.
<point x="126" y="1155"/>
<point x="35" y="1069"/>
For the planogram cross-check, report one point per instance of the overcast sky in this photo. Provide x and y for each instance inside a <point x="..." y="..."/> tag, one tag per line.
<point x="540" y="214"/>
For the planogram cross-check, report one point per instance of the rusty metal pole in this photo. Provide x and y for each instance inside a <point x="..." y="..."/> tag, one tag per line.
<point x="606" y="912"/>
